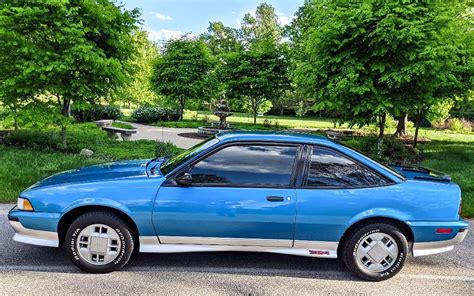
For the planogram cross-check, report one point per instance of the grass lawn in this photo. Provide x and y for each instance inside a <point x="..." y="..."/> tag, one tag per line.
<point x="246" y="120"/>
<point x="21" y="168"/>
<point x="38" y="154"/>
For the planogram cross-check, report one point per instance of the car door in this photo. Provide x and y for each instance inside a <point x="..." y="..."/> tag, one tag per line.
<point x="334" y="188"/>
<point x="241" y="194"/>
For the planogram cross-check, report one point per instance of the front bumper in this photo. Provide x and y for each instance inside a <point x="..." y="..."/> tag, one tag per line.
<point x="28" y="235"/>
<point x="34" y="237"/>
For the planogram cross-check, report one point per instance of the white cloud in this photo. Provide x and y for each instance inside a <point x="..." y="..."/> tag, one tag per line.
<point x="163" y="34"/>
<point x="163" y="17"/>
<point x="284" y="19"/>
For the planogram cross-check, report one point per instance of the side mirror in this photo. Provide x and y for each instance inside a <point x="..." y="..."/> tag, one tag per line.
<point x="185" y="179"/>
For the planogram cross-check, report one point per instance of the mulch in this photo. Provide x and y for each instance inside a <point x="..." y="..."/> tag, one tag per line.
<point x="193" y="136"/>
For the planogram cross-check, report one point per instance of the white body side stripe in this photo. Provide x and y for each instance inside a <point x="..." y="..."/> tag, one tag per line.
<point x="175" y="244"/>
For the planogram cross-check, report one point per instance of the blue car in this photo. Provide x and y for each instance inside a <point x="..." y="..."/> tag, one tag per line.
<point x="286" y="193"/>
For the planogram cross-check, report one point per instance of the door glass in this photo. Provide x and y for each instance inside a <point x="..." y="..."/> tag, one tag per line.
<point x="247" y="165"/>
<point x="331" y="169"/>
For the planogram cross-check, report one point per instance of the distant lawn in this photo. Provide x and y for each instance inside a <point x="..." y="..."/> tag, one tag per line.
<point x="282" y="121"/>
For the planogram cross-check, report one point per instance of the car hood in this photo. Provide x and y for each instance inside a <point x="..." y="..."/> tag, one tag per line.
<point x="98" y="173"/>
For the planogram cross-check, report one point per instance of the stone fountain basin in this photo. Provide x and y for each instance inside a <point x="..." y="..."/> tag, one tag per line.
<point x="210" y="130"/>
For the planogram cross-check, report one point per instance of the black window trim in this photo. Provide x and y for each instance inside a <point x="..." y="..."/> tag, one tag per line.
<point x="309" y="153"/>
<point x="296" y="170"/>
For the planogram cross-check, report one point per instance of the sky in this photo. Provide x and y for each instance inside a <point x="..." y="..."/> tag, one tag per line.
<point x="165" y="19"/>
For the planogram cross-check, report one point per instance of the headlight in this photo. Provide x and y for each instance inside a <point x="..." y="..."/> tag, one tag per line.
<point x="24" y="204"/>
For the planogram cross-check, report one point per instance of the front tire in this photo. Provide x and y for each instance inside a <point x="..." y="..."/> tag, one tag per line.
<point x="99" y="242"/>
<point x="375" y="252"/>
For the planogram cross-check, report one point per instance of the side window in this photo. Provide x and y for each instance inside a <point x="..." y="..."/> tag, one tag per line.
<point x="247" y="165"/>
<point x="331" y="169"/>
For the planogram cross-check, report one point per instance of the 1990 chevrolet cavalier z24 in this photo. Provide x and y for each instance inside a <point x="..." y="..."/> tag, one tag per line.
<point x="283" y="193"/>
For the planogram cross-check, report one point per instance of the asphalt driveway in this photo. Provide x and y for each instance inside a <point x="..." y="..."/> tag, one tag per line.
<point x="28" y="269"/>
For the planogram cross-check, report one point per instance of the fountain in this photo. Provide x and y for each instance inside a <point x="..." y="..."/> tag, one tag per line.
<point x="222" y="111"/>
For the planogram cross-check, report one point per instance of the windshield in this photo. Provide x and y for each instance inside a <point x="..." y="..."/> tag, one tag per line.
<point x="181" y="158"/>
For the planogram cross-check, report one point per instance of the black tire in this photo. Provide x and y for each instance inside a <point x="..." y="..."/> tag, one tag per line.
<point x="112" y="221"/>
<point x="356" y="237"/>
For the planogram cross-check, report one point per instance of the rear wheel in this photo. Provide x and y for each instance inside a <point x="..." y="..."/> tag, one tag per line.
<point x="99" y="242"/>
<point x="375" y="252"/>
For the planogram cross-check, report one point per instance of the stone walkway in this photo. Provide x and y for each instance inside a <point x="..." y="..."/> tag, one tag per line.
<point x="156" y="133"/>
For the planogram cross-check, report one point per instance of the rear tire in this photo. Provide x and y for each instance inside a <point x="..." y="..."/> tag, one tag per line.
<point x="99" y="242"/>
<point x="375" y="252"/>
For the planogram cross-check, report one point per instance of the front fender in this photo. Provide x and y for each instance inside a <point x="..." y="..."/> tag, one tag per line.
<point x="99" y="202"/>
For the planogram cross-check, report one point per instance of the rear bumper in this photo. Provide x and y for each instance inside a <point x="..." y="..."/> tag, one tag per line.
<point x="435" y="247"/>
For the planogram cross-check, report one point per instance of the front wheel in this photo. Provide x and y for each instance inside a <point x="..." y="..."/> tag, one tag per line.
<point x="99" y="242"/>
<point x="375" y="252"/>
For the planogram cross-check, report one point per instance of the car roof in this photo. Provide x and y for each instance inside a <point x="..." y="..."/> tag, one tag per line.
<point x="273" y="136"/>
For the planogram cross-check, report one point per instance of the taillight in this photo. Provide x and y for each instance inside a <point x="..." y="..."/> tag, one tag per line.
<point x="460" y="207"/>
<point x="444" y="230"/>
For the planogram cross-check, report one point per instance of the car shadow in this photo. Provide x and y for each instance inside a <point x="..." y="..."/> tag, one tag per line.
<point x="44" y="259"/>
<point x="243" y="263"/>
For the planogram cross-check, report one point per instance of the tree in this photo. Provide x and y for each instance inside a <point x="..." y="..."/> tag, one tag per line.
<point x="258" y="71"/>
<point x="366" y="60"/>
<point x="138" y="88"/>
<point x="263" y="27"/>
<point x="256" y="76"/>
<point x="182" y="72"/>
<point x="66" y="51"/>
<point x="221" y="39"/>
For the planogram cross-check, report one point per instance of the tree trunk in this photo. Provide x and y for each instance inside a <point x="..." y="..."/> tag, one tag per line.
<point x="281" y="111"/>
<point x="402" y="125"/>
<point x="15" y="118"/>
<point x="382" y="119"/>
<point x="181" y="108"/>
<point x="254" y="106"/>
<point x="417" y="128"/>
<point x="66" y="112"/>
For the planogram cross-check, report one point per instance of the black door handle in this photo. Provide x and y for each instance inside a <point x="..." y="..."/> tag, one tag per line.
<point x="273" y="198"/>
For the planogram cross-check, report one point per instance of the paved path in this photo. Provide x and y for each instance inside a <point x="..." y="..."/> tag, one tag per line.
<point x="26" y="269"/>
<point x="148" y="132"/>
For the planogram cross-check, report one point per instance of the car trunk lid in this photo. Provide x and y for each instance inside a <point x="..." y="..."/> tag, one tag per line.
<point x="421" y="173"/>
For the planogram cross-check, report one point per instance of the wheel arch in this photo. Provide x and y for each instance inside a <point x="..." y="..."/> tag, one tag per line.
<point x="74" y="213"/>
<point x="404" y="228"/>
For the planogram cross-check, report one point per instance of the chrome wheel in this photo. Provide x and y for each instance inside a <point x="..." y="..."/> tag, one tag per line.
<point x="98" y="244"/>
<point x="377" y="252"/>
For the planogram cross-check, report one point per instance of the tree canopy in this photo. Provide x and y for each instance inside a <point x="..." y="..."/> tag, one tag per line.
<point x="71" y="51"/>
<point x="369" y="59"/>
<point x="182" y="72"/>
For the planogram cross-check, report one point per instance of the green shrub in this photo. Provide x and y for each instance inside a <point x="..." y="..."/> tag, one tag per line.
<point x="85" y="135"/>
<point x="455" y="124"/>
<point x="36" y="139"/>
<point x="96" y="112"/>
<point x="392" y="150"/>
<point x="149" y="114"/>
<point x="166" y="149"/>
<point x="267" y="123"/>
